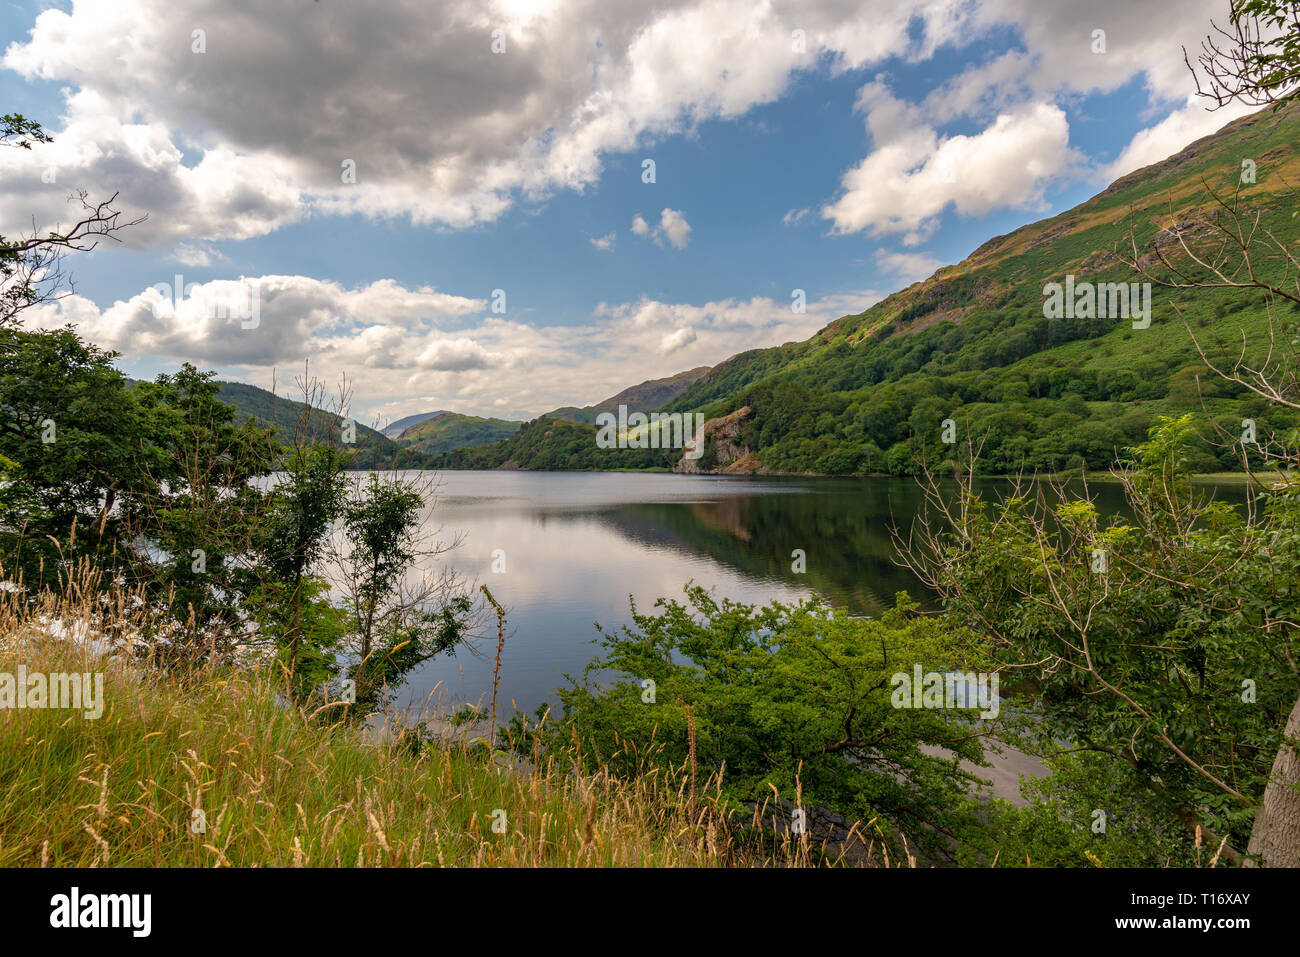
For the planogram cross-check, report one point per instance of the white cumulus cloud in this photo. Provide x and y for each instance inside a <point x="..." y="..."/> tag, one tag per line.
<point x="905" y="185"/>
<point x="393" y="344"/>
<point x="672" y="228"/>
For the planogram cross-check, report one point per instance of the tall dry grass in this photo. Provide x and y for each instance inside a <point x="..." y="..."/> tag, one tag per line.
<point x="216" y="768"/>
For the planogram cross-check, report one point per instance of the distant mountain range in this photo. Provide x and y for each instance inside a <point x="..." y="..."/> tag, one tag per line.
<point x="416" y="441"/>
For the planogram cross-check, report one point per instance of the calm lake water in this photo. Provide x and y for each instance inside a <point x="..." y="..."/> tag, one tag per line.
<point x="577" y="545"/>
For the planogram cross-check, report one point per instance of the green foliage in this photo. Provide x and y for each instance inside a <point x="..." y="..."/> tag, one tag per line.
<point x="135" y="478"/>
<point x="1165" y="642"/>
<point x="293" y="535"/>
<point x="78" y="439"/>
<point x="394" y="636"/>
<point x="796" y="698"/>
<point x="1089" y="811"/>
<point x="200" y="511"/>
<point x="406" y="641"/>
<point x="380" y="526"/>
<point x="1265" y="68"/>
<point x="163" y="488"/>
<point x="16" y="130"/>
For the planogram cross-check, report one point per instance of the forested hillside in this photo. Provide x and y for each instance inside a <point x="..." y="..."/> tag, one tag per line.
<point x="554" y="445"/>
<point x="868" y="393"/>
<point x="373" y="449"/>
<point x="451" y="430"/>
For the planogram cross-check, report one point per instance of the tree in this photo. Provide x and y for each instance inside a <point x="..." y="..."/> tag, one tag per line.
<point x="70" y="423"/>
<point x="31" y="267"/>
<point x="78" y="441"/>
<point x="1168" y="643"/>
<point x="1256" y="59"/>
<point x="1164" y="642"/>
<point x="1230" y="246"/>
<point x="401" y="614"/>
<point x="200" y="511"/>
<point x="291" y="603"/>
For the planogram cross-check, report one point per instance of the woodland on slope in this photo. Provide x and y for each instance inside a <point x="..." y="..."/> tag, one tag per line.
<point x="868" y="393"/>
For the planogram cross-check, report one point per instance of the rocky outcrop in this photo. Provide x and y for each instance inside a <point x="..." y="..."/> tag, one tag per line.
<point x="722" y="449"/>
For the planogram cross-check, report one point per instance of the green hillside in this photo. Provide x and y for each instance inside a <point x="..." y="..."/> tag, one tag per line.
<point x="373" y="449"/>
<point x="554" y="445"/>
<point x="869" y="391"/>
<point x="395" y="429"/>
<point x="451" y="430"/>
<point x="646" y="397"/>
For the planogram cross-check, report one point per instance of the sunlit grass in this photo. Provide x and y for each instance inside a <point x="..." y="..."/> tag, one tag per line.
<point x="216" y="769"/>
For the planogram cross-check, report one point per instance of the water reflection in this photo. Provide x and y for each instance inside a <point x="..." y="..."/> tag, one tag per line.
<point x="578" y="545"/>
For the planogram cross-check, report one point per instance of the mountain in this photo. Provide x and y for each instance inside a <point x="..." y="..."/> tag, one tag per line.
<point x="394" y="429"/>
<point x="646" y="397"/>
<point x="446" y="431"/>
<point x="975" y="344"/>
<point x="373" y="449"/>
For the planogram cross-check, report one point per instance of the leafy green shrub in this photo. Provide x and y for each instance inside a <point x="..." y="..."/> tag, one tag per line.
<point x="794" y="699"/>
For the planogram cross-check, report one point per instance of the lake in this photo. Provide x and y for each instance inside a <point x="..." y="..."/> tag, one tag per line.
<point x="578" y="544"/>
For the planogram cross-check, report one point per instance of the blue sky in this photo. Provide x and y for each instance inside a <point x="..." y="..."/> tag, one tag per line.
<point x="522" y="171"/>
